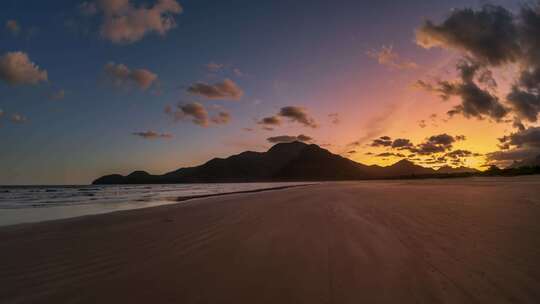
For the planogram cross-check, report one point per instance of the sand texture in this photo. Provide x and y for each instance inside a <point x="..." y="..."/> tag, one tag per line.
<point x="471" y="240"/>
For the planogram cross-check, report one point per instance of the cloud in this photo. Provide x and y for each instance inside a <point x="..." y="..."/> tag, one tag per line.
<point x="222" y="117"/>
<point x="526" y="138"/>
<point x="518" y="154"/>
<point x="475" y="101"/>
<point x="288" y="138"/>
<point x="152" y="135"/>
<point x="13" y="27"/>
<point x="401" y="143"/>
<point x="489" y="34"/>
<point x="122" y="76"/>
<point x="17" y="69"/>
<point x="334" y="118"/>
<point x="214" y="67"/>
<point x="270" y="121"/>
<point x="298" y="114"/>
<point x="383" y="141"/>
<point x="292" y="113"/>
<point x="227" y="89"/>
<point x="18" y="118"/>
<point x="386" y="56"/>
<point x="494" y="36"/>
<point x="456" y="154"/>
<point x="197" y="113"/>
<point x="434" y="144"/>
<point x="389" y="154"/>
<point x="125" y="23"/>
<point x="525" y="104"/>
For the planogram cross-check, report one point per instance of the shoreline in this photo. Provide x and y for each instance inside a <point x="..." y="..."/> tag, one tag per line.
<point x="124" y="207"/>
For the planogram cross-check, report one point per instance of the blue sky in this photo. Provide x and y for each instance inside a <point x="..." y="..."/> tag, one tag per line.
<point x="303" y="53"/>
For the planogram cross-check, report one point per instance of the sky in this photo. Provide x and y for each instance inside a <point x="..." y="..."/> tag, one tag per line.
<point x="89" y="88"/>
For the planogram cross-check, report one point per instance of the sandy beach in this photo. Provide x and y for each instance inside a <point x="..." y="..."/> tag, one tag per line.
<point x="473" y="240"/>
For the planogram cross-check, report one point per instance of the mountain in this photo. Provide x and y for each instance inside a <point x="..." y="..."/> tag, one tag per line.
<point x="452" y="170"/>
<point x="282" y="162"/>
<point x="406" y="168"/>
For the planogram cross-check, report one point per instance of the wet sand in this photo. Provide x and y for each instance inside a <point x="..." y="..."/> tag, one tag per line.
<point x="473" y="240"/>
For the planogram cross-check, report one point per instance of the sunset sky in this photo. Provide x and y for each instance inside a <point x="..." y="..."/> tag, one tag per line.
<point x="95" y="87"/>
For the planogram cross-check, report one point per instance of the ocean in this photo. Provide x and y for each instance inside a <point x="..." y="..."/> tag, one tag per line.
<point x="28" y="204"/>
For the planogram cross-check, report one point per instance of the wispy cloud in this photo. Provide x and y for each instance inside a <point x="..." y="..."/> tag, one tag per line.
<point x="152" y="135"/>
<point x="388" y="57"/>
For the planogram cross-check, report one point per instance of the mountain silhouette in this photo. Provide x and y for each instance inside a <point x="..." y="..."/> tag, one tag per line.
<point x="283" y="162"/>
<point x="451" y="170"/>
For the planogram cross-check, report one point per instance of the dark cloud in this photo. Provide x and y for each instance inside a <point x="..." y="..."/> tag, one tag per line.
<point x="434" y="144"/>
<point x="271" y="121"/>
<point x="507" y="157"/>
<point x="526" y="138"/>
<point x="525" y="104"/>
<point x="442" y="139"/>
<point x="489" y="34"/>
<point x="152" y="135"/>
<point x="390" y="154"/>
<point x="475" y="101"/>
<point x="227" y="89"/>
<point x="519" y="146"/>
<point x="492" y="36"/>
<point x="518" y="125"/>
<point x="401" y="143"/>
<point x="288" y="138"/>
<point x="461" y="154"/>
<point x="383" y="141"/>
<point x="298" y="114"/>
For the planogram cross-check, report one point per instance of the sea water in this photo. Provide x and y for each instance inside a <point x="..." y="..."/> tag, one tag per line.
<point x="26" y="204"/>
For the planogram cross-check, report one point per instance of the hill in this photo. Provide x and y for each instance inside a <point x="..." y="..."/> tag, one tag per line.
<point x="282" y="162"/>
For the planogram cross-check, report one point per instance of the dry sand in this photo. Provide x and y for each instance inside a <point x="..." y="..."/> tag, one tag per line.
<point x="431" y="241"/>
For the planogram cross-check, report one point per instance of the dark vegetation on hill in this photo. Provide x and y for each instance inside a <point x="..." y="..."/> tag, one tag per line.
<point x="298" y="161"/>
